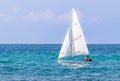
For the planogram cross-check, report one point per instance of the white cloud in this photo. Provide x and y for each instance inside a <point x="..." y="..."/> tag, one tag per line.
<point x="2" y="15"/>
<point x="52" y="17"/>
<point x="12" y="16"/>
<point x="5" y="18"/>
<point x="38" y="16"/>
<point x="93" y="19"/>
<point x="47" y="16"/>
<point x="16" y="9"/>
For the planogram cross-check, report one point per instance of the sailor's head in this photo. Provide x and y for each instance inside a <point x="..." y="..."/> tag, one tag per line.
<point x="87" y="56"/>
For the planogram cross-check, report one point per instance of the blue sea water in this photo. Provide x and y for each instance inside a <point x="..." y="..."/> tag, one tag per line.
<point x="38" y="62"/>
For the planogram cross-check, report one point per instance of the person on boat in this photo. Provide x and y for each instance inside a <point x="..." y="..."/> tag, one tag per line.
<point x="88" y="58"/>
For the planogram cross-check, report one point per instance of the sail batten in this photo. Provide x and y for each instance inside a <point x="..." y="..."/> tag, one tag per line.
<point x="74" y="43"/>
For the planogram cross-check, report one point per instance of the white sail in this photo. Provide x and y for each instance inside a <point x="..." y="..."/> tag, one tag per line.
<point x="79" y="46"/>
<point x="74" y="43"/>
<point x="66" y="47"/>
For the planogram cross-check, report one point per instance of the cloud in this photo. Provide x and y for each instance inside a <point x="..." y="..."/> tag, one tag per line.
<point x="52" y="17"/>
<point x="93" y="20"/>
<point x="16" y="9"/>
<point x="38" y="16"/>
<point x="5" y="18"/>
<point x="47" y="16"/>
<point x="2" y="15"/>
<point x="12" y="16"/>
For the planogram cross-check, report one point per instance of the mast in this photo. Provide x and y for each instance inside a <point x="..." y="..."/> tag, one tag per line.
<point x="71" y="40"/>
<point x="71" y="34"/>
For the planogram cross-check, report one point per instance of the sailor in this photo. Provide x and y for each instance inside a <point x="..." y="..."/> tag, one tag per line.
<point x="88" y="58"/>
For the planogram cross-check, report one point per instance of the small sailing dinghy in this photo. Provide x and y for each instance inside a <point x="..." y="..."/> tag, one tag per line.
<point x="74" y="43"/>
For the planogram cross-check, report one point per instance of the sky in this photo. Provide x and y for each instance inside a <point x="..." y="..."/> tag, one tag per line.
<point x="46" y="21"/>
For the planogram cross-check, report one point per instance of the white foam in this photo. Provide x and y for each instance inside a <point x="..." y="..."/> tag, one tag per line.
<point x="73" y="63"/>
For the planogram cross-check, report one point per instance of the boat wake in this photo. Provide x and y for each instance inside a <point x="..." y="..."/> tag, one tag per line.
<point x="73" y="63"/>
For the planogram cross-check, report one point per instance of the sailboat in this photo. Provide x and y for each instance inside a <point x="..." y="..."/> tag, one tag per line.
<point x="74" y="43"/>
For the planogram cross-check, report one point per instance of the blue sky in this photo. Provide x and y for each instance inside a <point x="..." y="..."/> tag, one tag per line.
<point x="46" y="21"/>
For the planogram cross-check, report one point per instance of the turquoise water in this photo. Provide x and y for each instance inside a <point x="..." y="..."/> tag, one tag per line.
<point x="34" y="62"/>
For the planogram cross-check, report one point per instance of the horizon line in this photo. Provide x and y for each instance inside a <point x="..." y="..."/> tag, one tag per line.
<point x="56" y="43"/>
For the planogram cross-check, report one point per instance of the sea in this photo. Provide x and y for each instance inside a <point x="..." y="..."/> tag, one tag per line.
<point x="39" y="62"/>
